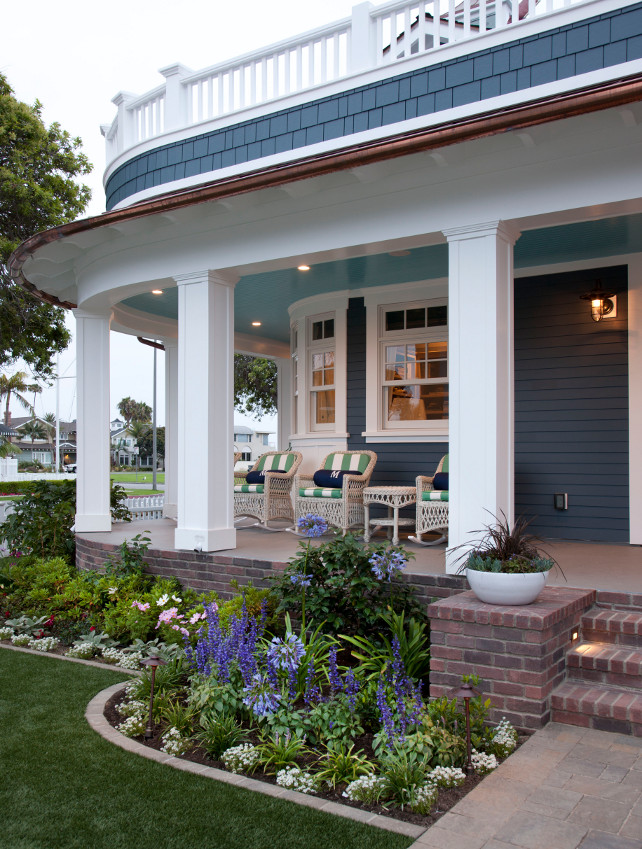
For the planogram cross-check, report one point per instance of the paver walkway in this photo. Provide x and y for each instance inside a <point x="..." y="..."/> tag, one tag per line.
<point x="565" y="788"/>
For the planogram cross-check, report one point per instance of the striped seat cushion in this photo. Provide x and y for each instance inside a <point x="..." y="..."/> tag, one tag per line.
<point x="435" y="495"/>
<point x="319" y="492"/>
<point x="356" y="463"/>
<point x="275" y="462"/>
<point x="249" y="487"/>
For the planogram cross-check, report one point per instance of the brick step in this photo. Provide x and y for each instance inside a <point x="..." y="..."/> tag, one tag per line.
<point x="612" y="625"/>
<point x="619" y="600"/>
<point x="606" y="663"/>
<point x="599" y="706"/>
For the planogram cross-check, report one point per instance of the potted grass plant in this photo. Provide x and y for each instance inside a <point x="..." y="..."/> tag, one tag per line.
<point x="506" y="565"/>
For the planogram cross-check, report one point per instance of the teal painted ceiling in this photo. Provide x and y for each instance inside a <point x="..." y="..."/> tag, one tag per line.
<point x="266" y="297"/>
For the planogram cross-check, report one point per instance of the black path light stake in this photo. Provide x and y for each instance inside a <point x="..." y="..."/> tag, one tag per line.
<point x="154" y="661"/>
<point x="466" y="692"/>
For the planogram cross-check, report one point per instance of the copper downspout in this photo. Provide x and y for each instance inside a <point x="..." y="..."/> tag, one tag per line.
<point x="554" y="108"/>
<point x="151" y="344"/>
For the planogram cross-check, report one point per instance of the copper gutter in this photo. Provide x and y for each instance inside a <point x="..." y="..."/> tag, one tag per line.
<point x="151" y="344"/>
<point x="554" y="108"/>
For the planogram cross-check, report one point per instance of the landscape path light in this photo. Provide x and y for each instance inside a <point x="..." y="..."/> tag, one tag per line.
<point x="466" y="691"/>
<point x="153" y="661"/>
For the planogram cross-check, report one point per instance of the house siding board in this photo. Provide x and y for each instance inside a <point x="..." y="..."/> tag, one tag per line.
<point x="593" y="44"/>
<point x="571" y="408"/>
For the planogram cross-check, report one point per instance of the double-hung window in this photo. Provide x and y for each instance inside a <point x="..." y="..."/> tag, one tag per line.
<point x="321" y="359"/>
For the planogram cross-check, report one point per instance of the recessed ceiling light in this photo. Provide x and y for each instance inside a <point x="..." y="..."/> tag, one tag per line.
<point x="303" y="267"/>
<point x="399" y="253"/>
<point x="256" y="324"/>
<point x="157" y="291"/>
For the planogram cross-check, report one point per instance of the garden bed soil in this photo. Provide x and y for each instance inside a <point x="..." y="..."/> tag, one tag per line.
<point x="447" y="798"/>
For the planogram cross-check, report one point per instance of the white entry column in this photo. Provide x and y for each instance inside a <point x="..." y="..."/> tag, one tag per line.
<point x="93" y="436"/>
<point x="283" y="402"/>
<point x="170" y="505"/>
<point x="481" y="377"/>
<point x="205" y="411"/>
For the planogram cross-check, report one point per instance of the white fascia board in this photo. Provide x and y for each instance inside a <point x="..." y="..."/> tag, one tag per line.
<point x="492" y="104"/>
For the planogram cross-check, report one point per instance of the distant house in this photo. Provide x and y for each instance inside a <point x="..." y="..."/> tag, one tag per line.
<point x="251" y="443"/>
<point x="43" y="450"/>
<point x="124" y="450"/>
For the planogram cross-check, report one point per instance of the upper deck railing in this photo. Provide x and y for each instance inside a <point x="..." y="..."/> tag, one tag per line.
<point x="370" y="38"/>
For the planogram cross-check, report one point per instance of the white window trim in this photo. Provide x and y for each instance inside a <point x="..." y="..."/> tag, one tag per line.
<point x="333" y="305"/>
<point x="375" y="299"/>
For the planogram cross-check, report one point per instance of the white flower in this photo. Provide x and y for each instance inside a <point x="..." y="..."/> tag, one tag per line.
<point x="366" y="789"/>
<point x="295" y="779"/>
<point x="176" y="599"/>
<point x="112" y="590"/>
<point x="240" y="758"/>
<point x="421" y="799"/>
<point x="21" y="639"/>
<point x="82" y="650"/>
<point x="483" y="763"/>
<point x="162" y="601"/>
<point x="6" y="633"/>
<point x="446" y="776"/>
<point x="133" y="726"/>
<point x="44" y="644"/>
<point x="173" y="743"/>
<point x="505" y="738"/>
<point x="134" y="708"/>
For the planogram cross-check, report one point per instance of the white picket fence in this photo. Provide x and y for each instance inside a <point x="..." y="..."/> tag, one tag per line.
<point x="146" y="507"/>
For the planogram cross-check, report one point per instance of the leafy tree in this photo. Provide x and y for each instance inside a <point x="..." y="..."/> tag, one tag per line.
<point x="34" y="430"/>
<point x="15" y="386"/>
<point x="38" y="165"/>
<point x="146" y="443"/>
<point x="134" y="411"/>
<point x="140" y="431"/>
<point x="254" y="385"/>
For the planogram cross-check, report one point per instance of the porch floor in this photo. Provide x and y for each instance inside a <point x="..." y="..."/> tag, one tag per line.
<point x="594" y="565"/>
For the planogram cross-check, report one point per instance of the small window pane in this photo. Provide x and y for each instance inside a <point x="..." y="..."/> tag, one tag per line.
<point x="394" y="373"/>
<point x="317" y="378"/>
<point x="417" y="402"/>
<point x="437" y="350"/>
<point x="329" y="358"/>
<point x="396" y="354"/>
<point x="438" y="368"/>
<point x="317" y="330"/>
<point x="317" y="361"/>
<point x="415" y="318"/>
<point x="328" y="328"/>
<point x="328" y="377"/>
<point x="324" y="406"/>
<point x="395" y="320"/>
<point x="437" y="316"/>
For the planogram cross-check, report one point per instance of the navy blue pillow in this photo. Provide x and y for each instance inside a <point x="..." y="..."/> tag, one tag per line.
<point x="330" y="478"/>
<point x="440" y="481"/>
<point x="259" y="477"/>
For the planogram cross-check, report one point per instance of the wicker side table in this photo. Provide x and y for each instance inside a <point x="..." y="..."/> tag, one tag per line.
<point x="394" y="498"/>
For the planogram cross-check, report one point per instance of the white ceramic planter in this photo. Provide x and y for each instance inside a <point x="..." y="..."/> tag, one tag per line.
<point x="500" y="588"/>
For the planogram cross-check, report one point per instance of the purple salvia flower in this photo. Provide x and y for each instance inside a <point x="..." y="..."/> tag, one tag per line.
<point x="336" y="684"/>
<point x="312" y="693"/>
<point x="352" y="688"/>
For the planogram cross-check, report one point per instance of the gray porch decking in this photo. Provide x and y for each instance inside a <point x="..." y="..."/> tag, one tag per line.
<point x="594" y="565"/>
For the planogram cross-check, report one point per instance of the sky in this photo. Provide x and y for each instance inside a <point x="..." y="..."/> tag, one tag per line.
<point x="75" y="56"/>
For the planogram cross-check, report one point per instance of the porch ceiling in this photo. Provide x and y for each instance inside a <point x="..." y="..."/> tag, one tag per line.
<point x="266" y="296"/>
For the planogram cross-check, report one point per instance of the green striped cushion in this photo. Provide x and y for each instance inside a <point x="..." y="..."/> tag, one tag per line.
<point x="347" y="462"/>
<point x="249" y="487"/>
<point x="318" y="492"/>
<point x="444" y="468"/>
<point x="274" y="462"/>
<point x="435" y="495"/>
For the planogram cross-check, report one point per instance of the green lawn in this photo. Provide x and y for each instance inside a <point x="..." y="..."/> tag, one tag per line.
<point x="64" y="787"/>
<point x="130" y="477"/>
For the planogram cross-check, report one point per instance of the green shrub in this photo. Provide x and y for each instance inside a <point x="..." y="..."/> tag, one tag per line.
<point x="343" y="591"/>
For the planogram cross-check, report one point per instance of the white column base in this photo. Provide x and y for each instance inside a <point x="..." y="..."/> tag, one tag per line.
<point x="87" y="524"/>
<point x="195" y="539"/>
<point x="170" y="511"/>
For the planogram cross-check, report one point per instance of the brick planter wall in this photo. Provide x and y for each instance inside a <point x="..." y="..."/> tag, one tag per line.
<point x="204" y="572"/>
<point x="519" y="652"/>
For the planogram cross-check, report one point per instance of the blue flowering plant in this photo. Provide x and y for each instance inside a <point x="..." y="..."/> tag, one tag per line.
<point x="347" y="585"/>
<point x="310" y="526"/>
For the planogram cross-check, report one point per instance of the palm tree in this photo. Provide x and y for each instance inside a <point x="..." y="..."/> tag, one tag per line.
<point x="35" y="429"/>
<point x="139" y="431"/>
<point x="15" y="385"/>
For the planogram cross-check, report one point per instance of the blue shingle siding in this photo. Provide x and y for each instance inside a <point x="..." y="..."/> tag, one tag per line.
<point x="397" y="463"/>
<point x="578" y="48"/>
<point x="571" y="407"/>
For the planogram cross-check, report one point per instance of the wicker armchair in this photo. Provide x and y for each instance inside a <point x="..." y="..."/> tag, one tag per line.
<point x="432" y="507"/>
<point x="340" y="506"/>
<point x="271" y="499"/>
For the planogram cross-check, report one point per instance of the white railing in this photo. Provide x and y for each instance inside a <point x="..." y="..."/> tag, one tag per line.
<point x="147" y="507"/>
<point x="371" y="37"/>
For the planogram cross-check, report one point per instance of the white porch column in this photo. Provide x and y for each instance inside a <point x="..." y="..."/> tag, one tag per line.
<point x="92" y="381"/>
<point x="170" y="506"/>
<point x="481" y="376"/>
<point x="284" y="401"/>
<point x="205" y="411"/>
<point x="635" y="400"/>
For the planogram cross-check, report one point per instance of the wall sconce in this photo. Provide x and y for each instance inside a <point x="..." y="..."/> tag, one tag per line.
<point x="601" y="303"/>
